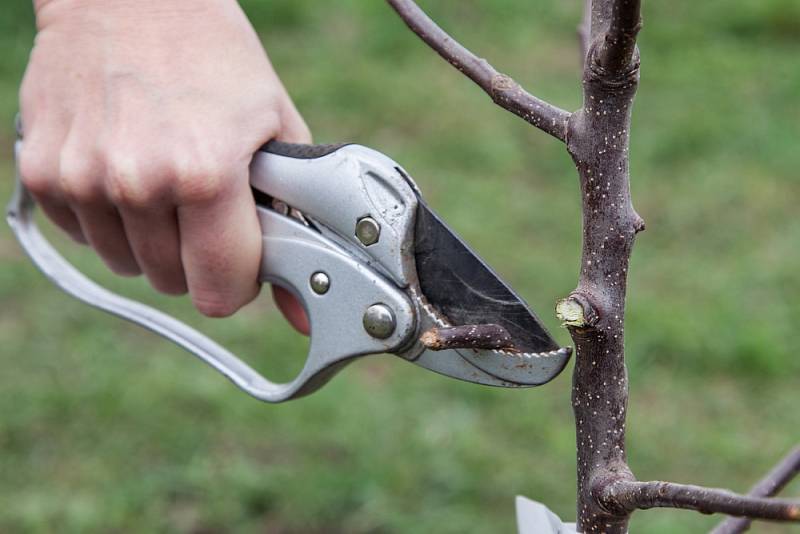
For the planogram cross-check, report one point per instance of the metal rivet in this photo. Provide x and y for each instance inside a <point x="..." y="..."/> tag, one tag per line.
<point x="379" y="321"/>
<point x="320" y="283"/>
<point x="368" y="231"/>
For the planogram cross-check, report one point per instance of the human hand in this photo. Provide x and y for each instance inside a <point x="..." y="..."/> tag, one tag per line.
<point x="141" y="118"/>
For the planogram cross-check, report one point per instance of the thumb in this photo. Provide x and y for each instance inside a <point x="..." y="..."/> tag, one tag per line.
<point x="293" y="127"/>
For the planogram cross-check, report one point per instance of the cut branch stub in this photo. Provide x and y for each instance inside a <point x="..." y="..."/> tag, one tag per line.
<point x="576" y="311"/>
<point x="476" y="336"/>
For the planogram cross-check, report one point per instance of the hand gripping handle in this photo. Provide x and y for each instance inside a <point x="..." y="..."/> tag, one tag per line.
<point x="290" y="242"/>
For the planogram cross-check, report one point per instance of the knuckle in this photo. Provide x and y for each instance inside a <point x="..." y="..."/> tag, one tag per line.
<point x="124" y="186"/>
<point x="34" y="173"/>
<point x="78" y="181"/>
<point x="77" y="190"/>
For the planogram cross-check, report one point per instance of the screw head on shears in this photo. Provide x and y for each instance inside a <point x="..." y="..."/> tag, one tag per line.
<point x="368" y="231"/>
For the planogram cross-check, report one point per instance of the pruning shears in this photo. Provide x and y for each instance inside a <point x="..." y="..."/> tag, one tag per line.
<point x="348" y="233"/>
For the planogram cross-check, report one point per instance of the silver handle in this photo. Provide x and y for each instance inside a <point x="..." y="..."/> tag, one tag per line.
<point x="336" y="343"/>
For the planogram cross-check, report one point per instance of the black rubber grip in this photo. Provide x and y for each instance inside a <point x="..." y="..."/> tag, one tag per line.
<point x="299" y="150"/>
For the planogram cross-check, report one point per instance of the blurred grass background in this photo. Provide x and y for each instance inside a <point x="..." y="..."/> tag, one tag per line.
<point x="105" y="428"/>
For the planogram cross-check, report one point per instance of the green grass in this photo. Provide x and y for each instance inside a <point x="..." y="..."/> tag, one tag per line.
<point x="104" y="428"/>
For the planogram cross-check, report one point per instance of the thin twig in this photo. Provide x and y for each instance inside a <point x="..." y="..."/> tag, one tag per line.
<point x="503" y="90"/>
<point x="770" y="485"/>
<point x="619" y="46"/>
<point x="474" y="336"/>
<point x="627" y="496"/>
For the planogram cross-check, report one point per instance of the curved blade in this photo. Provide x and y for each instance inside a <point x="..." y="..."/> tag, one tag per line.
<point x="464" y="290"/>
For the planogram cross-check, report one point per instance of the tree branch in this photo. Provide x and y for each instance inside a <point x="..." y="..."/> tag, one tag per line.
<point x="503" y="90"/>
<point x="774" y="482"/>
<point x="616" y="52"/>
<point x="624" y="496"/>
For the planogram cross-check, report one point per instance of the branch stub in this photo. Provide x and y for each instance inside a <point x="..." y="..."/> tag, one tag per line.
<point x="576" y="311"/>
